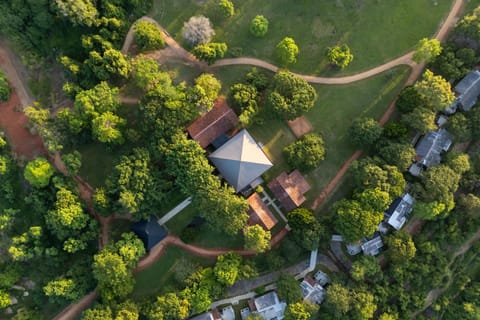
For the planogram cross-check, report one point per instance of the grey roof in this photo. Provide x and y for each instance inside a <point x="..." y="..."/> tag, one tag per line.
<point x="150" y="232"/>
<point x="203" y="316"/>
<point x="468" y="90"/>
<point x="240" y="160"/>
<point x="372" y="247"/>
<point x="431" y="145"/>
<point x="266" y="301"/>
<point x="399" y="211"/>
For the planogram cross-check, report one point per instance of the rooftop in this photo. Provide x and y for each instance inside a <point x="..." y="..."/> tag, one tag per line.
<point x="431" y="145"/>
<point x="312" y="291"/>
<point x="150" y="232"/>
<point x="469" y="90"/>
<point x="213" y="124"/>
<point x="240" y="160"/>
<point x="289" y="189"/>
<point x="259" y="213"/>
<point x="372" y="247"/>
<point x="399" y="210"/>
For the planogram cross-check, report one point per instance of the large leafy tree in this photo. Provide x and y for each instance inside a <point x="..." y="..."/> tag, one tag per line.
<point x="340" y="56"/>
<point x="79" y="12"/>
<point x="306" y="229"/>
<point x="289" y="289"/>
<point x="291" y="96"/>
<point x="38" y="172"/>
<point x="257" y="238"/>
<point x="107" y="127"/>
<point x="398" y="154"/>
<point x="210" y="52"/>
<point x="401" y="247"/>
<point x="109" y="65"/>
<point x="354" y="221"/>
<point x="198" y="30"/>
<point x="300" y="311"/>
<point x="148" y="36"/>
<point x="259" y="26"/>
<point x="169" y="306"/>
<point x="208" y="88"/>
<point x="111" y="272"/>
<point x="227" y="268"/>
<point x="427" y="50"/>
<point x="420" y="119"/>
<point x="306" y="153"/>
<point x="287" y="51"/>
<point x="435" y="90"/>
<point x="365" y="132"/>
<point x="339" y="299"/>
<point x="100" y="99"/>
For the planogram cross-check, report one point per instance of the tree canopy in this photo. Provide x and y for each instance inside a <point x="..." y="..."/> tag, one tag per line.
<point x="38" y="172"/>
<point x="435" y="90"/>
<point x="340" y="56"/>
<point x="259" y="26"/>
<point x="287" y="51"/>
<point x="365" y="132"/>
<point x="148" y="36"/>
<point x="427" y="50"/>
<point x="197" y="30"/>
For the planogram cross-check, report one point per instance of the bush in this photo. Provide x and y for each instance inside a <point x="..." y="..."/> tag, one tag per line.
<point x="226" y="8"/>
<point x="210" y="52"/>
<point x="365" y="132"/>
<point x="4" y="88"/>
<point x="198" y="30"/>
<point x="148" y="36"/>
<point x="340" y="56"/>
<point x="306" y="153"/>
<point x="287" y="51"/>
<point x="259" y="26"/>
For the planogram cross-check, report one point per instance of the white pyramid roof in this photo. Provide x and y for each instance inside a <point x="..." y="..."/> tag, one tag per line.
<point x="240" y="160"/>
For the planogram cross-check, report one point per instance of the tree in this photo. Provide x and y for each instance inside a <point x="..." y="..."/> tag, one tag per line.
<point x="73" y="162"/>
<point x="409" y="99"/>
<point x="169" y="306"/>
<point x="226" y="8"/>
<point x="469" y="203"/>
<point x="210" y="87"/>
<point x="401" y="155"/>
<point x="38" y="172"/>
<point x="401" y="247"/>
<point x="4" y="88"/>
<point x="5" y="300"/>
<point x="300" y="311"/>
<point x="259" y="26"/>
<point x="306" y="229"/>
<point x="440" y="183"/>
<point x="306" y="153"/>
<point x="27" y="245"/>
<point x="100" y="99"/>
<point x="428" y="211"/>
<point x="355" y="222"/>
<point x="291" y="96"/>
<point x="148" y="36"/>
<point x="68" y="215"/>
<point x="210" y="52"/>
<point x="427" y="50"/>
<point x="460" y="127"/>
<point x="114" y="279"/>
<point x="340" y="56"/>
<point x="435" y="90"/>
<point x="198" y="30"/>
<point x="130" y="248"/>
<point x="62" y="287"/>
<point x="106" y="128"/>
<point x="395" y="130"/>
<point x="79" y="12"/>
<point x="366" y="269"/>
<point x="459" y="162"/>
<point x="245" y="96"/>
<point x="257" y="239"/>
<point x="420" y="119"/>
<point x="289" y="289"/>
<point x="102" y="313"/>
<point x="227" y="267"/>
<point x="374" y="199"/>
<point x="365" y="132"/>
<point x="453" y="63"/>
<point x="146" y="73"/>
<point x="364" y="305"/>
<point x="367" y="174"/>
<point x="287" y="51"/>
<point x="339" y="299"/>
<point x="108" y="65"/>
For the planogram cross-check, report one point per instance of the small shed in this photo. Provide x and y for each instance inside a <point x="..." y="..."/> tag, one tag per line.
<point x="150" y="232"/>
<point x="259" y="213"/>
<point x="214" y="124"/>
<point x="289" y="189"/>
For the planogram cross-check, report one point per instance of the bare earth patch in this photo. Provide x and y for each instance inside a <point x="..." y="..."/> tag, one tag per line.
<point x="300" y="126"/>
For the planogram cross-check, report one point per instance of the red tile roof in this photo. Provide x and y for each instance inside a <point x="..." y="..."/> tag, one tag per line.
<point x="213" y="124"/>
<point x="259" y="213"/>
<point x="289" y="189"/>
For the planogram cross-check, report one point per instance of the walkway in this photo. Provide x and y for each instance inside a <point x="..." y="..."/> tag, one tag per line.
<point x="172" y="213"/>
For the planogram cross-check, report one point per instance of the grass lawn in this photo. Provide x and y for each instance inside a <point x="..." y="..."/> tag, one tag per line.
<point x="97" y="163"/>
<point x="376" y="31"/>
<point x="159" y="277"/>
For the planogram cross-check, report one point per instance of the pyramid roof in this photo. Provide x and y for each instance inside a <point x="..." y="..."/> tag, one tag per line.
<point x="150" y="232"/>
<point x="240" y="160"/>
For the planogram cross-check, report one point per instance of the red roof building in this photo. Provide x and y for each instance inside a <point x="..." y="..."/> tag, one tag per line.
<point x="289" y="189"/>
<point x="259" y="213"/>
<point x="213" y="124"/>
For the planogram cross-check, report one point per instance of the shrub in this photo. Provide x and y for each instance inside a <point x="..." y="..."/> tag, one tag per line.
<point x="340" y="56"/>
<point x="210" y="52"/>
<point x="148" y="36"/>
<point x="287" y="51"/>
<point x="226" y="8"/>
<point x="259" y="26"/>
<point x="4" y="88"/>
<point x="306" y="153"/>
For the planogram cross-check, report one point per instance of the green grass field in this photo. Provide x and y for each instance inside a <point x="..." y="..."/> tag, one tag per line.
<point x="159" y="277"/>
<point x="376" y="31"/>
<point x="334" y="111"/>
